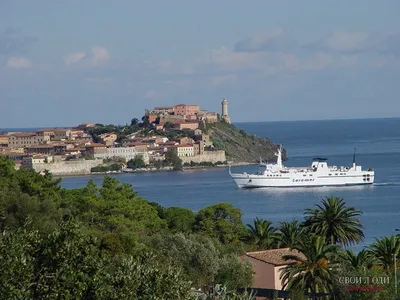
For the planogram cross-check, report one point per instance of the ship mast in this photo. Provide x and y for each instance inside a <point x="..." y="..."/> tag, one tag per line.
<point x="354" y="158"/>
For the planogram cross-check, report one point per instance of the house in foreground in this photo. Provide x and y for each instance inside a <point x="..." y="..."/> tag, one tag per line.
<point x="267" y="266"/>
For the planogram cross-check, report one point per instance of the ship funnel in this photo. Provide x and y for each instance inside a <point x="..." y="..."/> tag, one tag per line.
<point x="354" y="158"/>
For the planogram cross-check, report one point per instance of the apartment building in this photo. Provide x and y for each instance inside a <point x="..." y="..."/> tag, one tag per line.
<point x="30" y="160"/>
<point x="141" y="147"/>
<point x="163" y="109"/>
<point x="48" y="149"/>
<point x="182" y="150"/>
<point x="3" y="140"/>
<point x="186" y="125"/>
<point x="185" y="140"/>
<point x="198" y="148"/>
<point x="127" y="153"/>
<point x="186" y="109"/>
<point x="25" y="139"/>
<point x="55" y="134"/>
<point x="94" y="149"/>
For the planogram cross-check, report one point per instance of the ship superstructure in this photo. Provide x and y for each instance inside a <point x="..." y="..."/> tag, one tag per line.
<point x="318" y="174"/>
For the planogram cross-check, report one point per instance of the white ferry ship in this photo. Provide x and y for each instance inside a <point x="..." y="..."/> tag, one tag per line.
<point x="318" y="174"/>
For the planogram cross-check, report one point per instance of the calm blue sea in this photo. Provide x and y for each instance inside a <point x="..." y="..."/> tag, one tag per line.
<point x="378" y="146"/>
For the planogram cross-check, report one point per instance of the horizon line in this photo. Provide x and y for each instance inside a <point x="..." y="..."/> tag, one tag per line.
<point x="238" y="122"/>
<point x="312" y="120"/>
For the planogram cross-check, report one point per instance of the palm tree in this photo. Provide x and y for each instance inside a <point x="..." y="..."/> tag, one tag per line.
<point x="262" y="233"/>
<point x="335" y="221"/>
<point x="312" y="269"/>
<point x="385" y="250"/>
<point x="361" y="261"/>
<point x="289" y="234"/>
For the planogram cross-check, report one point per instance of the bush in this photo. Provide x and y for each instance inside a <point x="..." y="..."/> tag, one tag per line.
<point x="101" y="169"/>
<point x="136" y="163"/>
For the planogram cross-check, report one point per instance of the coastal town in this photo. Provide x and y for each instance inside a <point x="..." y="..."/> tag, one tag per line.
<point x="165" y="133"/>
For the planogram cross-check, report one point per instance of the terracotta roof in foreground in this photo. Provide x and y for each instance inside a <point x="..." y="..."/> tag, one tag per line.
<point x="274" y="256"/>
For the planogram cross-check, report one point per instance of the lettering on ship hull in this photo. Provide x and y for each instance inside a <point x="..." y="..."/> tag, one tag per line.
<point x="303" y="180"/>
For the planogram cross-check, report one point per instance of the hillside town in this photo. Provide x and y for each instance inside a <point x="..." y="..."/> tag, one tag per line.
<point x="82" y="149"/>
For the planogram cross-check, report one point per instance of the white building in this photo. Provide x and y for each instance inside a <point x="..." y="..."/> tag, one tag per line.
<point x="127" y="153"/>
<point x="182" y="150"/>
<point x="29" y="161"/>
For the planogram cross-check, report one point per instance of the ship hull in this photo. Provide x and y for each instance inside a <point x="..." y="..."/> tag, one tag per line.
<point x="259" y="181"/>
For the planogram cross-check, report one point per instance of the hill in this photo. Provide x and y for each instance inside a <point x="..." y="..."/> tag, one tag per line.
<point x="240" y="146"/>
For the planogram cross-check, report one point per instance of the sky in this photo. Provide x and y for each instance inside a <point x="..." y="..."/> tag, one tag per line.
<point x="63" y="63"/>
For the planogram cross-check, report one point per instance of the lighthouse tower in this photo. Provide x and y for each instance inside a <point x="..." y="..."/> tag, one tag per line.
<point x="225" y="115"/>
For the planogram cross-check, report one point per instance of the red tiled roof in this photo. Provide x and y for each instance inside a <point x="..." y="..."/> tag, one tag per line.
<point x="40" y="146"/>
<point x="274" y="256"/>
<point x="24" y="134"/>
<point x="168" y="143"/>
<point x="53" y="130"/>
<point x="184" y="137"/>
<point x="186" y="105"/>
<point x="13" y="154"/>
<point x="95" y="145"/>
<point x="180" y="123"/>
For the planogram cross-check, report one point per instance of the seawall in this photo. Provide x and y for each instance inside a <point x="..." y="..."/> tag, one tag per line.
<point x="68" y="167"/>
<point x="208" y="156"/>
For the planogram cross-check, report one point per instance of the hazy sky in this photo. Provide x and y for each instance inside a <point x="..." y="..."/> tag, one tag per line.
<point x="69" y="62"/>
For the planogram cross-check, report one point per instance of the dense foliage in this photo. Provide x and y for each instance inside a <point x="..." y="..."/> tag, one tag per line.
<point x="136" y="163"/>
<point x="103" y="243"/>
<point x="107" y="242"/>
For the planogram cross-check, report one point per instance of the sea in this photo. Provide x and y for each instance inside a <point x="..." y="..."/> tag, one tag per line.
<point x="377" y="143"/>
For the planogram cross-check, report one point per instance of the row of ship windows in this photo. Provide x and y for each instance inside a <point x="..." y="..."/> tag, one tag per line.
<point x="338" y="174"/>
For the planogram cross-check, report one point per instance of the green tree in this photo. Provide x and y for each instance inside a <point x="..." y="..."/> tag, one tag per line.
<point x="17" y="251"/>
<point x="68" y="264"/>
<point x="134" y="122"/>
<point x="196" y="255"/>
<point x="361" y="261"/>
<point x="233" y="273"/>
<point x="335" y="221"/>
<point x="385" y="250"/>
<point x="136" y="163"/>
<point x="179" y="219"/>
<point x="172" y="159"/>
<point x="312" y="270"/>
<point x="290" y="233"/>
<point x="222" y="221"/>
<point x="201" y="258"/>
<point x="262" y="233"/>
<point x="143" y="278"/>
<point x="7" y="167"/>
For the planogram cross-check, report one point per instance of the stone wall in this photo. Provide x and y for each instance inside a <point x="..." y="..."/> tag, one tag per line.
<point x="81" y="167"/>
<point x="208" y="156"/>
